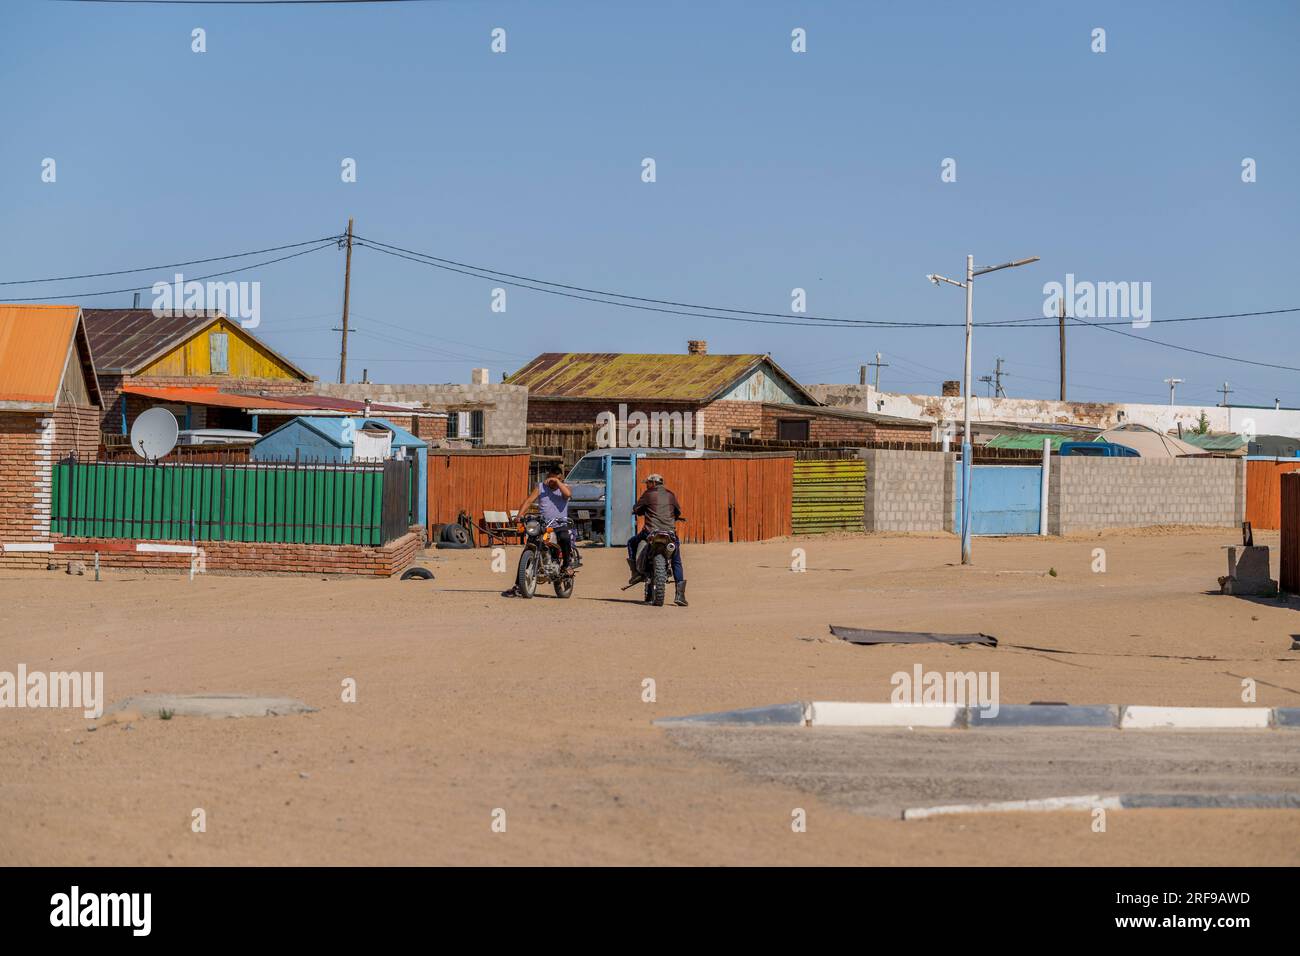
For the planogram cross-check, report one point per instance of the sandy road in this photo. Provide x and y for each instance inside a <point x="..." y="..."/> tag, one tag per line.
<point x="469" y="703"/>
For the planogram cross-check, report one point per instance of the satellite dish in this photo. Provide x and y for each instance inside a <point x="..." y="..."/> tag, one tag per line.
<point x="154" y="433"/>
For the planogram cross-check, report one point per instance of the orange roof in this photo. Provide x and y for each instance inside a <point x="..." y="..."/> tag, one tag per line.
<point x="34" y="344"/>
<point x="210" y="396"/>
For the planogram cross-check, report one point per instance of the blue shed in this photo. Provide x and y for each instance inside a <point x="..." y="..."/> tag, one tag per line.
<point x="326" y="438"/>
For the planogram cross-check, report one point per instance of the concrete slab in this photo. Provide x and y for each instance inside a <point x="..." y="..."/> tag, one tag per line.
<point x="1208" y="718"/>
<point x="1045" y="715"/>
<point x="774" y="714"/>
<point x="830" y="713"/>
<point x="209" y="705"/>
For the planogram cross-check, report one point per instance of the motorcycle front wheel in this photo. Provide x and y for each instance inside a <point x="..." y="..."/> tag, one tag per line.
<point x="526" y="576"/>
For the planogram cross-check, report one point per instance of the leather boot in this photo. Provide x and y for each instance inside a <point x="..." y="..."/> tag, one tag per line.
<point x="636" y="577"/>
<point x="680" y="599"/>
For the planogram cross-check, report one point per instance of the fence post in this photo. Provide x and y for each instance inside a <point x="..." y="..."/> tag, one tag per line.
<point x="1042" y="491"/>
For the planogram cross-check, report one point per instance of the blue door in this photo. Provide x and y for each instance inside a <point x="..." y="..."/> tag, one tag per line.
<point x="620" y="495"/>
<point x="1005" y="499"/>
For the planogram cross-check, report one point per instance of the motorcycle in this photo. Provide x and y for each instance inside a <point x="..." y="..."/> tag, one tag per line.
<point x="654" y="556"/>
<point x="542" y="559"/>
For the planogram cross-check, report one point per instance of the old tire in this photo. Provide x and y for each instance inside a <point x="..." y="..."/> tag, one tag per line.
<point x="455" y="534"/>
<point x="417" y="574"/>
<point x="660" y="579"/>
<point x="526" y="576"/>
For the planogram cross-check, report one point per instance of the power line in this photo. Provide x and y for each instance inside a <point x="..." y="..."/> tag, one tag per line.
<point x="172" y="265"/>
<point x="1184" y="348"/>
<point x="213" y="275"/>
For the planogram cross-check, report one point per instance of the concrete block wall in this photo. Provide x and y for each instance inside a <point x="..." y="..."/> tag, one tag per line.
<point x="505" y="407"/>
<point x="1088" y="494"/>
<point x="908" y="490"/>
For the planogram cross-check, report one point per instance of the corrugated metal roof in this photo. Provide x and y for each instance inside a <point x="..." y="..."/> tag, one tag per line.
<point x="1214" y="442"/>
<point x="34" y="344"/>
<point x="202" y="395"/>
<point x="331" y="429"/>
<point x="619" y="376"/>
<point x="1030" y="441"/>
<point x="125" y="340"/>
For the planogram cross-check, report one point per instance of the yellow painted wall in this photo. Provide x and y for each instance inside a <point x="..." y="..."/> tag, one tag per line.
<point x="246" y="359"/>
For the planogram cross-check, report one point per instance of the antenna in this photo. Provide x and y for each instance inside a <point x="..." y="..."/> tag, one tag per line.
<point x="154" y="433"/>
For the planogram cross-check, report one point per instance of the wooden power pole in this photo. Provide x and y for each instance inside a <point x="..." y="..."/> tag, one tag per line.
<point x="1062" y="317"/>
<point x="347" y="290"/>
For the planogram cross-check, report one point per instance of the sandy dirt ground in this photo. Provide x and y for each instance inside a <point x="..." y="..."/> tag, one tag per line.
<point x="468" y="703"/>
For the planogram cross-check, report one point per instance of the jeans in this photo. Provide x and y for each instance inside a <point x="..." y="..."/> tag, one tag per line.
<point x="679" y="575"/>
<point x="565" y="540"/>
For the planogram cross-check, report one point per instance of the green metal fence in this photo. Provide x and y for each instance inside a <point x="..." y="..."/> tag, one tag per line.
<point x="318" y="503"/>
<point x="828" y="495"/>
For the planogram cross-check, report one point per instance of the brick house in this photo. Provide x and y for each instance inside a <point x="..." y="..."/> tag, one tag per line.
<point x="49" y="409"/>
<point x="735" y="396"/>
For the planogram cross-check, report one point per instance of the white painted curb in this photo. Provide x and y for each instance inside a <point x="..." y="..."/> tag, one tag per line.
<point x="1149" y="718"/>
<point x="1007" y="806"/>
<point x="23" y="547"/>
<point x="823" y="713"/>
<point x="167" y="548"/>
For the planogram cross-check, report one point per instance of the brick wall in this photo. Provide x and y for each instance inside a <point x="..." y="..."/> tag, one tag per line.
<point x="30" y="442"/>
<point x="908" y="490"/>
<point x="1091" y="493"/>
<point x="823" y="426"/>
<point x="233" y="556"/>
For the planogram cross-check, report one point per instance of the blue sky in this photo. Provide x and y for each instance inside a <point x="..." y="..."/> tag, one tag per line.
<point x="775" y="170"/>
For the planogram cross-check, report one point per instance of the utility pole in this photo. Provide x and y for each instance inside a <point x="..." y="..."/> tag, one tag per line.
<point x="347" y="291"/>
<point x="1226" y="392"/>
<point x="879" y="365"/>
<point x="969" y="286"/>
<point x="988" y="382"/>
<point x="1062" y="318"/>
<point x="862" y="375"/>
<point x="998" y="390"/>
<point x="1172" y="383"/>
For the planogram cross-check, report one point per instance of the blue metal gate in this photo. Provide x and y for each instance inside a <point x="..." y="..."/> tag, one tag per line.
<point x="620" y="495"/>
<point x="1005" y="499"/>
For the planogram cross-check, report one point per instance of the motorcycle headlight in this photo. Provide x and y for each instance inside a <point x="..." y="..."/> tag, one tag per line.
<point x="532" y="527"/>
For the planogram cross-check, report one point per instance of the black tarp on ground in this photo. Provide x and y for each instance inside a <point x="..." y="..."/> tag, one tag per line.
<point x="857" y="635"/>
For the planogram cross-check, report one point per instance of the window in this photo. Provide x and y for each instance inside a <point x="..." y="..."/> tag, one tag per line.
<point x="219" y="351"/>
<point x="792" y="429"/>
<point x="742" y="434"/>
<point x="588" y="469"/>
<point x="466" y="425"/>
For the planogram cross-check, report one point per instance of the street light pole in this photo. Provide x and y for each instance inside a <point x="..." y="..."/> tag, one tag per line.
<point x="969" y="286"/>
<point x="965" y="417"/>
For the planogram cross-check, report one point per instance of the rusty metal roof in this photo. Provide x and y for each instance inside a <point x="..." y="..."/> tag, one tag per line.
<point x="126" y="340"/>
<point x="210" y="395"/>
<point x="619" y="376"/>
<point x="35" y="342"/>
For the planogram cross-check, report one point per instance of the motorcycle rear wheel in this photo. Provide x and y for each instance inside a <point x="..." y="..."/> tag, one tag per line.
<point x="660" y="579"/>
<point x="564" y="585"/>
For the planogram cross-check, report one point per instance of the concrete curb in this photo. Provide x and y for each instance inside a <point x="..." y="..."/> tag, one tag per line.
<point x="1127" y="801"/>
<point x="822" y="713"/>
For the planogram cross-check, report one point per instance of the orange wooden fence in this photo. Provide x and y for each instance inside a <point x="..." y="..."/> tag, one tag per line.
<point x="742" y="498"/>
<point x="1264" y="492"/>
<point x="1289" y="572"/>
<point x="475" y="481"/>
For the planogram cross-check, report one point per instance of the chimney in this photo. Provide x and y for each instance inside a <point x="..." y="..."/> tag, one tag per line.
<point x="136" y="303"/>
<point x="365" y="376"/>
<point x="1277" y="404"/>
<point x="697" y="347"/>
<point x="367" y="412"/>
<point x="952" y="389"/>
<point x="478" y="376"/>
